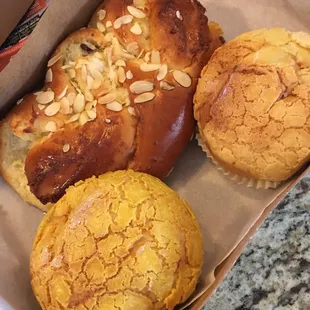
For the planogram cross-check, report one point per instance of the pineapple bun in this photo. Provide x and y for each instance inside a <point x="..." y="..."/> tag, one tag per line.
<point x="253" y="105"/>
<point x="123" y="240"/>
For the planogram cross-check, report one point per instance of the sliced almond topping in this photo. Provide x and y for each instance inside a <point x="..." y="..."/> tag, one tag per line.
<point x="98" y="55"/>
<point x="123" y="20"/>
<point x="45" y="97"/>
<point x="72" y="63"/>
<point x="49" y="76"/>
<point x="149" y="67"/>
<point x="90" y="82"/>
<point x="114" y="106"/>
<point x="136" y="29"/>
<point x="65" y="67"/>
<point x="108" y="24"/>
<point x="83" y="118"/>
<point x="72" y="73"/>
<point x="121" y="75"/>
<point x="97" y="83"/>
<point x="131" y="111"/>
<point x="108" y="121"/>
<point x="136" y="12"/>
<point x="54" y="59"/>
<point x="71" y="98"/>
<point x="107" y="98"/>
<point x="147" y="57"/>
<point x="82" y="61"/>
<point x="179" y="15"/>
<point x="51" y="126"/>
<point x="92" y="114"/>
<point x="133" y="48"/>
<point x="140" y="87"/>
<point x="162" y="73"/>
<point x="144" y="97"/>
<point x="141" y="53"/>
<point x="73" y="118"/>
<point x="97" y="64"/>
<point x="65" y="106"/>
<point x="52" y="109"/>
<point x="41" y="107"/>
<point x="89" y="106"/>
<point x="66" y="148"/>
<point x="103" y="92"/>
<point x="101" y="27"/>
<point x="79" y="103"/>
<point x="19" y="101"/>
<point x="102" y="14"/>
<point x="121" y="63"/>
<point x="89" y="96"/>
<point x="129" y="75"/>
<point x="84" y="73"/>
<point x="182" y="78"/>
<point x="155" y="57"/>
<point x="166" y="86"/>
<point x="38" y="93"/>
<point x="63" y="93"/>
<point x="96" y="74"/>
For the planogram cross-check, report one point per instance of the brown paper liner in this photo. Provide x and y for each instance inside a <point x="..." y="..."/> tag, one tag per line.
<point x="237" y="178"/>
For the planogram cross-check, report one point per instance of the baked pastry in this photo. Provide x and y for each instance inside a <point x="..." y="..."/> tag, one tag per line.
<point x="123" y="240"/>
<point x="253" y="105"/>
<point x="117" y="95"/>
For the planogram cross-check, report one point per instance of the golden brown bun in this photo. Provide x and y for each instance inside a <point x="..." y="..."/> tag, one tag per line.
<point x="121" y="241"/>
<point x="147" y="137"/>
<point x="253" y="104"/>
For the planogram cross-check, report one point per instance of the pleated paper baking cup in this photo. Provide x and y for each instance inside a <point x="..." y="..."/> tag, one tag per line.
<point x="248" y="182"/>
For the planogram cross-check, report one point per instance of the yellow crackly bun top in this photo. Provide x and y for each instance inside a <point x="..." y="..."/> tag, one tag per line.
<point x="120" y="241"/>
<point x="253" y="104"/>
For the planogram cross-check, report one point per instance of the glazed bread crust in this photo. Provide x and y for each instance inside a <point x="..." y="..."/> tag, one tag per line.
<point x="253" y="104"/>
<point x="87" y="120"/>
<point x="121" y="241"/>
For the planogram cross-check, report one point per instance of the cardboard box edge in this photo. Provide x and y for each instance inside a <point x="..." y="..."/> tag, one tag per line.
<point x="229" y="262"/>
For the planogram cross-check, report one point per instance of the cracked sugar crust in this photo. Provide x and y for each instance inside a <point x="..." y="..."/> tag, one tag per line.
<point x="120" y="241"/>
<point x="253" y="104"/>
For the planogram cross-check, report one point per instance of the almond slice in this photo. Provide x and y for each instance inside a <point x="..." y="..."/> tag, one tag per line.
<point x="166" y="86"/>
<point x="97" y="83"/>
<point x="45" y="97"/>
<point x="108" y="24"/>
<point x="107" y="98"/>
<point x="108" y="121"/>
<point x="96" y="74"/>
<point x="162" y="73"/>
<point x="114" y="106"/>
<point x="89" y="96"/>
<point x="121" y="63"/>
<point x="123" y="20"/>
<point x="141" y="53"/>
<point x="131" y="111"/>
<point x="90" y="82"/>
<point x="51" y="126"/>
<point x="92" y="114"/>
<point x="79" y="103"/>
<point x="102" y="14"/>
<point x="66" y="148"/>
<point x="121" y="75"/>
<point x="54" y="59"/>
<point x="182" y="78"/>
<point x="147" y="57"/>
<point x="136" y="12"/>
<point x="38" y="93"/>
<point x="65" y="106"/>
<point x="149" y="67"/>
<point x="155" y="57"/>
<point x="83" y="118"/>
<point x="144" y="98"/>
<point x="63" y="93"/>
<point x="133" y="48"/>
<point x="179" y="15"/>
<point x="65" y="67"/>
<point x="140" y="87"/>
<point x="71" y="98"/>
<point x="84" y="73"/>
<point x="19" y="101"/>
<point x="52" y="109"/>
<point x="41" y="107"/>
<point x="49" y="76"/>
<point x="129" y="75"/>
<point x="73" y="118"/>
<point x="72" y="73"/>
<point x="89" y="106"/>
<point x="136" y="29"/>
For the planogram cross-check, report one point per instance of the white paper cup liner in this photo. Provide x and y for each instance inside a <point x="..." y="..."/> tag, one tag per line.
<point x="248" y="182"/>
